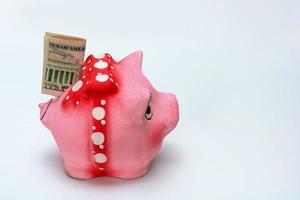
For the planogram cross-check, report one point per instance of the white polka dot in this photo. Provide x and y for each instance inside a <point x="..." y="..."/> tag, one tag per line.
<point x="117" y="84"/>
<point x="90" y="69"/>
<point x="93" y="127"/>
<point x="98" y="138"/>
<point x="111" y="74"/>
<point x="83" y="76"/>
<point x="99" y="56"/>
<point x="112" y="67"/>
<point x="77" y="86"/>
<point x="67" y="97"/>
<point x="103" y="102"/>
<point x="100" y="158"/>
<point x="101" y="146"/>
<point x="84" y="68"/>
<point x="77" y="102"/>
<point x="87" y="82"/>
<point x="98" y="113"/>
<point x="103" y="122"/>
<point x="101" y="64"/>
<point x="112" y="80"/>
<point x="102" y="77"/>
<point x="101" y="168"/>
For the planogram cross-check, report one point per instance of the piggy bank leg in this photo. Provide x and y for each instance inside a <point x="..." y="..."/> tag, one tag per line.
<point x="130" y="173"/>
<point x="76" y="172"/>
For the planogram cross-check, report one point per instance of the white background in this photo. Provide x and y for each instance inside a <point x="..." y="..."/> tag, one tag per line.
<point x="234" y="66"/>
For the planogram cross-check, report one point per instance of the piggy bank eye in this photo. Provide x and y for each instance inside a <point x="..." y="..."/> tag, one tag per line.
<point x="148" y="113"/>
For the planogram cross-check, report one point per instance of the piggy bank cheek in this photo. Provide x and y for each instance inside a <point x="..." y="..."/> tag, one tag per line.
<point x="155" y="136"/>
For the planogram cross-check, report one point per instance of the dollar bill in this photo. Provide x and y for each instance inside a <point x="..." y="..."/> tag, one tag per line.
<point x="63" y="58"/>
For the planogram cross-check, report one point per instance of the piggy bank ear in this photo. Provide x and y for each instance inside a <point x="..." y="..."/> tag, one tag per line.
<point x="134" y="60"/>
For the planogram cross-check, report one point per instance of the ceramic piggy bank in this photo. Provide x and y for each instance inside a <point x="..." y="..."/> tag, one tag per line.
<point x="112" y="121"/>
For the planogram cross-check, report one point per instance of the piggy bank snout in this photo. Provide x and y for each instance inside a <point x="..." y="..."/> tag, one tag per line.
<point x="171" y="114"/>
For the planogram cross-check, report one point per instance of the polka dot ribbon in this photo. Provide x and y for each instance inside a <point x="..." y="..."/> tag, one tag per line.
<point x="97" y="84"/>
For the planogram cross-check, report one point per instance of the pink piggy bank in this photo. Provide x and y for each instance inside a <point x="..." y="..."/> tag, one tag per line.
<point x="112" y="121"/>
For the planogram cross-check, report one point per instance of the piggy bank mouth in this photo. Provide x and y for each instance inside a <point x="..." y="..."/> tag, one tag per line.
<point x="44" y="108"/>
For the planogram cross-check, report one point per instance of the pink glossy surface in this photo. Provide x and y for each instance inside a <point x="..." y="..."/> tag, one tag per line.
<point x="131" y="141"/>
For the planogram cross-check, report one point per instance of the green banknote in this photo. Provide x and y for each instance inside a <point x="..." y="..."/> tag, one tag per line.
<point x="63" y="58"/>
